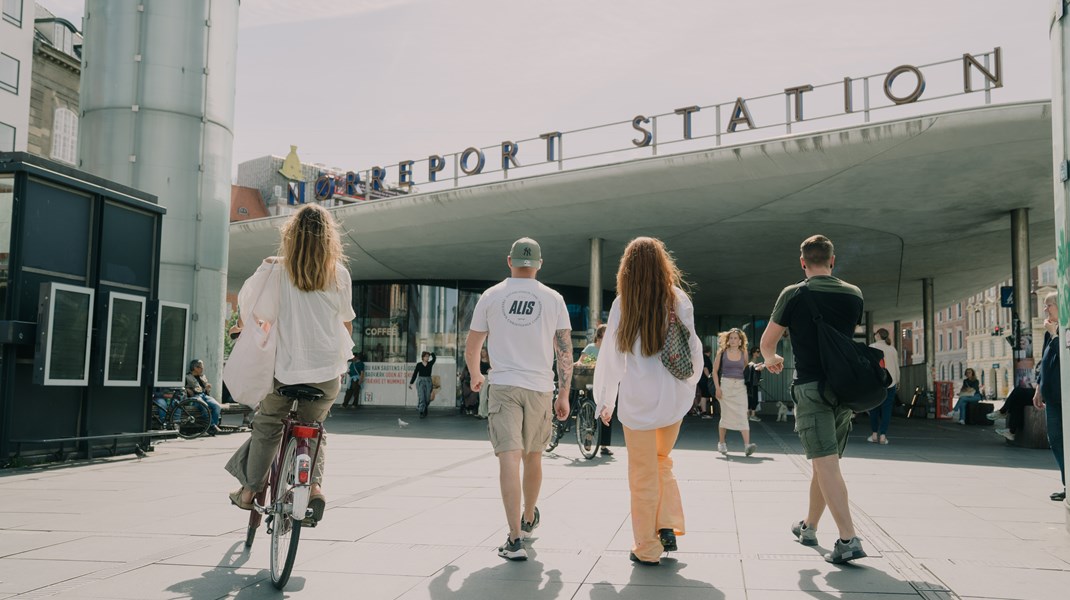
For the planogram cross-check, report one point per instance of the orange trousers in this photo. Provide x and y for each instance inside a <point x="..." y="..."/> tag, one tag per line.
<point x="656" y="500"/>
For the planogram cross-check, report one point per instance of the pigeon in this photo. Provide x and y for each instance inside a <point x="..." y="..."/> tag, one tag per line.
<point x="402" y="424"/>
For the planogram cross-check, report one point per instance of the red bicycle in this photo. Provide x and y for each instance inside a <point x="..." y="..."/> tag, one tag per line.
<point x="289" y="485"/>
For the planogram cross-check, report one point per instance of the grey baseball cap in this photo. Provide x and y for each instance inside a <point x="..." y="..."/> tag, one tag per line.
<point x="525" y="253"/>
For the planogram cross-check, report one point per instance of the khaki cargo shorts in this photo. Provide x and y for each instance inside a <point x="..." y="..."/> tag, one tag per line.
<point x="822" y="424"/>
<point x="518" y="418"/>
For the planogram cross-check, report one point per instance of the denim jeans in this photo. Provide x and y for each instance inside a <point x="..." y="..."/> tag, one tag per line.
<point x="960" y="408"/>
<point x="880" y="417"/>
<point x="1055" y="435"/>
<point x="213" y="405"/>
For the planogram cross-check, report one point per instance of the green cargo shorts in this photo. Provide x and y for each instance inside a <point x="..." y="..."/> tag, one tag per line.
<point x="822" y="424"/>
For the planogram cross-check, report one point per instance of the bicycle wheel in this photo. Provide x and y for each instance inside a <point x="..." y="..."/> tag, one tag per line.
<point x="588" y="429"/>
<point x="191" y="417"/>
<point x="285" y="531"/>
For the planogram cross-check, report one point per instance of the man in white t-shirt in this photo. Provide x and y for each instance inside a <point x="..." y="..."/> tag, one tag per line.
<point x="526" y="326"/>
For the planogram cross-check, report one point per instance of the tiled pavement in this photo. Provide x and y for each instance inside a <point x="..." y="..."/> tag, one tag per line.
<point x="945" y="511"/>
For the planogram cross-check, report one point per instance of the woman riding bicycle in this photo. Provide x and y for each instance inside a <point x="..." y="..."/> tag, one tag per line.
<point x="307" y="298"/>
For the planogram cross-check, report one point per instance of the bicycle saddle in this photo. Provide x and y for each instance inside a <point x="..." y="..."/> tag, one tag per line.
<point x="300" y="391"/>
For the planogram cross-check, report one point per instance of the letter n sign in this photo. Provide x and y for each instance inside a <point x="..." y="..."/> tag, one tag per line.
<point x="295" y="192"/>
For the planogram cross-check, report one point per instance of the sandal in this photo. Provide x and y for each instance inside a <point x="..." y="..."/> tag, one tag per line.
<point x="235" y="499"/>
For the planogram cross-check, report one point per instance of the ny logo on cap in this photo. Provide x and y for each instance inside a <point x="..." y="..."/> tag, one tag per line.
<point x="527" y="251"/>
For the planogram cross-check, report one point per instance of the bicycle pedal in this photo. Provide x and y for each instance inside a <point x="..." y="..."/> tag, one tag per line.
<point x="309" y="522"/>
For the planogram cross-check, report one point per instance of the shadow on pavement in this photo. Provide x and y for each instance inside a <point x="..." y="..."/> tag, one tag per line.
<point x="665" y="575"/>
<point x="478" y="584"/>
<point x="224" y="579"/>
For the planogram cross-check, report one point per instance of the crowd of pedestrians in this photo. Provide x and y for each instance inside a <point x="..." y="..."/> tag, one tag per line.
<point x="650" y="371"/>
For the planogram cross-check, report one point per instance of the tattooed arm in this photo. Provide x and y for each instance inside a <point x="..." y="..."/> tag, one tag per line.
<point x="563" y="352"/>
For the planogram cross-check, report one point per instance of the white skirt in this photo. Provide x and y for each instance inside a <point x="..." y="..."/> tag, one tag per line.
<point x="734" y="405"/>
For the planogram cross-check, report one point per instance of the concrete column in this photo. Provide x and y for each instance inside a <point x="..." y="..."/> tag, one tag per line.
<point x="869" y="327"/>
<point x="897" y="339"/>
<point x="1060" y="115"/>
<point x="594" y="298"/>
<point x="1022" y="313"/>
<point x="930" y="331"/>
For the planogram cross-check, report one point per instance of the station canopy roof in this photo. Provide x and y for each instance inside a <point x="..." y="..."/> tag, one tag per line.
<point x="921" y="197"/>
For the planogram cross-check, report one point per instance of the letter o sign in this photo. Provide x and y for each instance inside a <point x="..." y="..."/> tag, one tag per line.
<point x="480" y="160"/>
<point x="912" y="96"/>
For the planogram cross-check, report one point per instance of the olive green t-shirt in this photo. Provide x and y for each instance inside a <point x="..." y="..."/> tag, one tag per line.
<point x="840" y="305"/>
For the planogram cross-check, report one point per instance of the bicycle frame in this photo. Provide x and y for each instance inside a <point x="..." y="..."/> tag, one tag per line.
<point x="276" y="478"/>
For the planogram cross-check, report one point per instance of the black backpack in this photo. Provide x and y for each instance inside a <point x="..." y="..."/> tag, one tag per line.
<point x="852" y="369"/>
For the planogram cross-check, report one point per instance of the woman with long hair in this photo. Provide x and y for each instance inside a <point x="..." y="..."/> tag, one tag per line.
<point x="651" y="401"/>
<point x="306" y="296"/>
<point x="731" y="392"/>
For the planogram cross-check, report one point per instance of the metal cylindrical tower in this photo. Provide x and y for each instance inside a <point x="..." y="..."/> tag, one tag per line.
<point x="157" y="104"/>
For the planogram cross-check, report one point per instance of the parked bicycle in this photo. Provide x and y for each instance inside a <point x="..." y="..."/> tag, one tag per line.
<point x="582" y="409"/>
<point x="172" y="410"/>
<point x="288" y="486"/>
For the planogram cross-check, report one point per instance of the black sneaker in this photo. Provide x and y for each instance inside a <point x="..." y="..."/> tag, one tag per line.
<point x="846" y="552"/>
<point x="527" y="527"/>
<point x="668" y="539"/>
<point x="513" y="549"/>
<point x="807" y="536"/>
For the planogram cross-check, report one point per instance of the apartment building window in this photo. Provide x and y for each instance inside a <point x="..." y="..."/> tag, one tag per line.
<point x="65" y="136"/>
<point x="1047" y="273"/>
<point x="9" y="73"/>
<point x="958" y="310"/>
<point x="63" y="38"/>
<point x="7" y="138"/>
<point x="960" y="339"/>
<point x="950" y="341"/>
<point x="13" y="12"/>
<point x="941" y="348"/>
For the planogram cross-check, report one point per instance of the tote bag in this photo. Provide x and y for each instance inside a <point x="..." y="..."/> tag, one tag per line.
<point x="250" y="370"/>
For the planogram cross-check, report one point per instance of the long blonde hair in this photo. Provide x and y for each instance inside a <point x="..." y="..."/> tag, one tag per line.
<point x="645" y="282"/>
<point x="722" y="340"/>
<point x="311" y="247"/>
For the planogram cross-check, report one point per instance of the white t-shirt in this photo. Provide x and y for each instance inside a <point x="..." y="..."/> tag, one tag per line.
<point x="521" y="316"/>
<point x="313" y="344"/>
<point x="891" y="359"/>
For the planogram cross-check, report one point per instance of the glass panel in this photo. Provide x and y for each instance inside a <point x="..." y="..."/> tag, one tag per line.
<point x="125" y="334"/>
<point x="56" y="229"/>
<point x="7" y="192"/>
<point x="172" y="344"/>
<point x="13" y="11"/>
<point x="70" y="327"/>
<point x="7" y="138"/>
<point x="9" y="73"/>
<point x="384" y="332"/>
<point x="432" y="321"/>
<point x="127" y="246"/>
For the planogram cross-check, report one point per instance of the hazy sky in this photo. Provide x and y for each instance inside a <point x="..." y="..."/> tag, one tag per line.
<point x="355" y="83"/>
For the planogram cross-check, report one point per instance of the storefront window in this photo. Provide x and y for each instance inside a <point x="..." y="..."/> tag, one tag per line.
<point x="7" y="192"/>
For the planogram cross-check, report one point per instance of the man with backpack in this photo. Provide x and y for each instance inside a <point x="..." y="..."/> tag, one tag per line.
<point x="822" y="421"/>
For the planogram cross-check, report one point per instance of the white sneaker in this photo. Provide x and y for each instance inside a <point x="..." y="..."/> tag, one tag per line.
<point x="992" y="416"/>
<point x="749" y="449"/>
<point x="722" y="448"/>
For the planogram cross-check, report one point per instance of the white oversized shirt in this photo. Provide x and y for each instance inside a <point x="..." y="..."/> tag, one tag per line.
<point x="520" y="317"/>
<point x="646" y="395"/>
<point x="313" y="344"/>
<point x="891" y="359"/>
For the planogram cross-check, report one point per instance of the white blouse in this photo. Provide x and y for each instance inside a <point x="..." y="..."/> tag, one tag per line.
<point x="313" y="343"/>
<point x="643" y="390"/>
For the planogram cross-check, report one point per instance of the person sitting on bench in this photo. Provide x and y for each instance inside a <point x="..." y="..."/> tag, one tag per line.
<point x="197" y="386"/>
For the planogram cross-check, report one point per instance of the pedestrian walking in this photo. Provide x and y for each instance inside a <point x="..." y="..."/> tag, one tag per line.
<point x="752" y="378"/>
<point x="306" y="298"/>
<point x="526" y="327"/>
<point x="730" y="391"/>
<point x="652" y="402"/>
<point x="704" y="387"/>
<point x="421" y="376"/>
<point x="821" y="422"/>
<point x="1048" y="396"/>
<point x="881" y="417"/>
<point x="356" y="380"/>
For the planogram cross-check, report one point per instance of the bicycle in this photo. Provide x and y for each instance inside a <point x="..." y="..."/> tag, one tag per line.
<point x="289" y="484"/>
<point x="172" y="410"/>
<point x="588" y="426"/>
